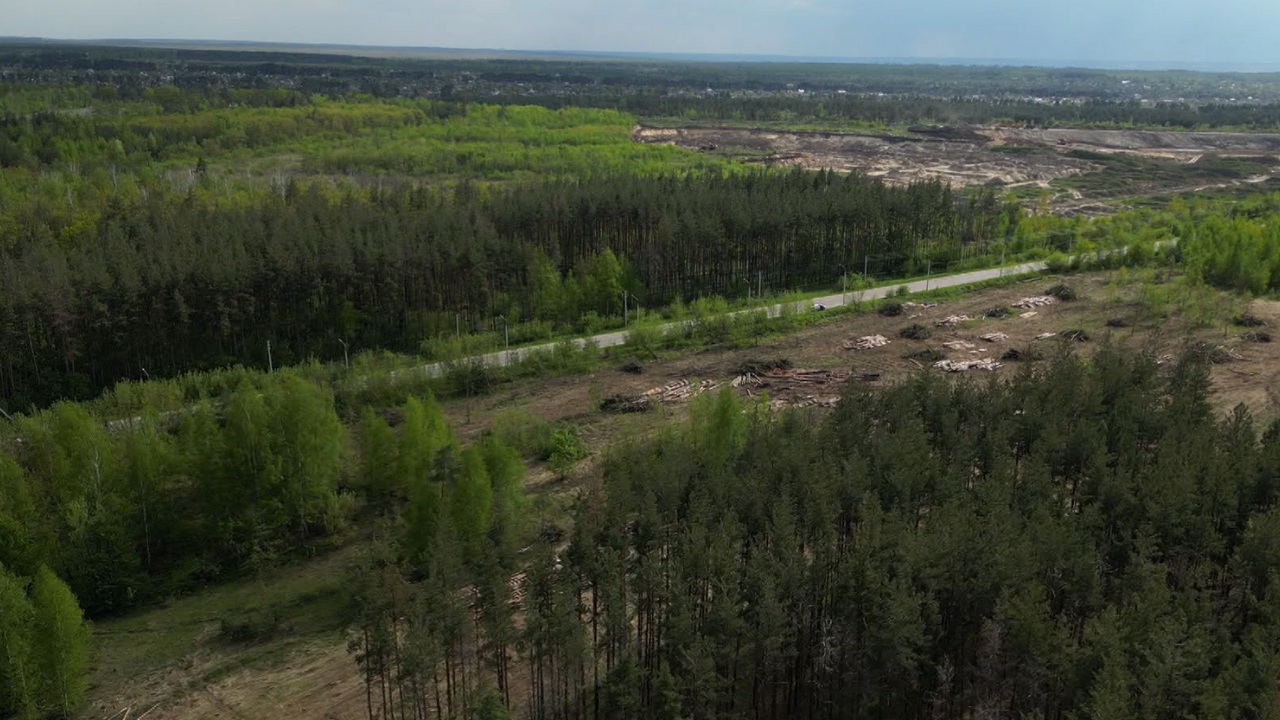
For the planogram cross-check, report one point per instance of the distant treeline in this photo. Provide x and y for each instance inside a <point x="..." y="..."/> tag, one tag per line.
<point x="904" y="110"/>
<point x="720" y="90"/>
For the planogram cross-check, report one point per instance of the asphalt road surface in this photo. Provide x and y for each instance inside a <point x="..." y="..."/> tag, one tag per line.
<point x="618" y="337"/>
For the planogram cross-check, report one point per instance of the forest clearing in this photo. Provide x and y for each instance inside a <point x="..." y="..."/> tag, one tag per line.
<point x="173" y="662"/>
<point x="1048" y="162"/>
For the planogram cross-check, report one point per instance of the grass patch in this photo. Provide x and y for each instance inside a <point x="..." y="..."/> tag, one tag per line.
<point x="274" y="612"/>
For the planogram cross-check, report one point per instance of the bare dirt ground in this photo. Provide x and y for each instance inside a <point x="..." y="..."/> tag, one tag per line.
<point x="1254" y="379"/>
<point x="898" y="160"/>
<point x="994" y="156"/>
<point x="320" y="679"/>
<point x="1150" y="143"/>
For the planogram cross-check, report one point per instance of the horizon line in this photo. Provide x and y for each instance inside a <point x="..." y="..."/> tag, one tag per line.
<point x="409" y="51"/>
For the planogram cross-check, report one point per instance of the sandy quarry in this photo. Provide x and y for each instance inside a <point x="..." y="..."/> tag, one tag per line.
<point x="972" y="156"/>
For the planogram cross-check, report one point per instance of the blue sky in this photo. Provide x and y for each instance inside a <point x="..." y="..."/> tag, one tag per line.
<point x="1182" y="32"/>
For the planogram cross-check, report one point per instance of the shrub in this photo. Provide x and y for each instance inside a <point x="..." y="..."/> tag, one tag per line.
<point x="565" y="449"/>
<point x="757" y="366"/>
<point x="644" y="338"/>
<point x="530" y="436"/>
<point x="915" y="332"/>
<point x="1058" y="262"/>
<point x="253" y="628"/>
<point x="926" y="355"/>
<point x="1063" y="292"/>
<point x="1028" y="353"/>
<point x="469" y="377"/>
<point x="890" y="308"/>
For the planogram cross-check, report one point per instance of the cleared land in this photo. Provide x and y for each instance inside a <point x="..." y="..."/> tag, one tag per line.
<point x="174" y="662"/>
<point x="1074" y="169"/>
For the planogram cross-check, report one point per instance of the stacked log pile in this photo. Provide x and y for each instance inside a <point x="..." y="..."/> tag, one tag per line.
<point x="866" y="343"/>
<point x="952" y="321"/>
<point x="1035" y="301"/>
<point x="792" y="387"/>
<point x="958" y="366"/>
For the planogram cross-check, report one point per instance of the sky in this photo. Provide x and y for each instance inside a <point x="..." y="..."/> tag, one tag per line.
<point x="1172" y="32"/>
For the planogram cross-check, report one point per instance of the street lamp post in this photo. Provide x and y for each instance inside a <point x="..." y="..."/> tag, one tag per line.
<point x="506" y="336"/>
<point x="346" y="359"/>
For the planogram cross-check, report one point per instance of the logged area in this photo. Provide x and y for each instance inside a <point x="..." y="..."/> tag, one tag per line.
<point x="1014" y="327"/>
<point x="182" y="666"/>
<point x="1009" y="158"/>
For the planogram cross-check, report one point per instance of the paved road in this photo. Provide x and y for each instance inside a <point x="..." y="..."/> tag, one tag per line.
<point x="611" y="339"/>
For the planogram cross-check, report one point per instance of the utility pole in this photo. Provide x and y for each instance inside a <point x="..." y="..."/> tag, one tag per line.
<point x="506" y="336"/>
<point x="346" y="359"/>
<point x="865" y="280"/>
<point x="928" y="274"/>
